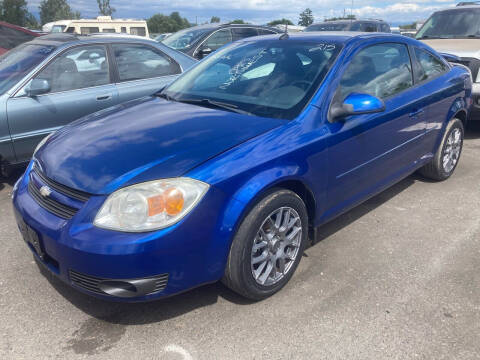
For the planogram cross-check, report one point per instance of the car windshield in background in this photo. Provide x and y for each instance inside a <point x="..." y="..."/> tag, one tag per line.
<point x="328" y="27"/>
<point x="18" y="62"/>
<point x="271" y="78"/>
<point x="455" y="23"/>
<point x="184" y="39"/>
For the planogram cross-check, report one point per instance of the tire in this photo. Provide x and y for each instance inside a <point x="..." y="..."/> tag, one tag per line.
<point x="259" y="228"/>
<point x="436" y="169"/>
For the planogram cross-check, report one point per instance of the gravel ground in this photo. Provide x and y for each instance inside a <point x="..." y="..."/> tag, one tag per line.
<point x="396" y="278"/>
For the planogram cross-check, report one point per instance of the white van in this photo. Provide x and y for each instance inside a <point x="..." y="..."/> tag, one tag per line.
<point x="101" y="24"/>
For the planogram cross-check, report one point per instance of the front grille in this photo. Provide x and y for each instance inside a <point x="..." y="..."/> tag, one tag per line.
<point x="472" y="63"/>
<point x="75" y="194"/>
<point x="61" y="210"/>
<point x="50" y="203"/>
<point x="92" y="283"/>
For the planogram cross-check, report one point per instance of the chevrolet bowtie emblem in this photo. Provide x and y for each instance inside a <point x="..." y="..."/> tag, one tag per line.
<point x="45" y="191"/>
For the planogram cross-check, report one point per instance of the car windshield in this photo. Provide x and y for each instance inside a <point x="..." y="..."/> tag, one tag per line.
<point x="184" y="39"/>
<point x="270" y="78"/>
<point x="328" y="27"/>
<point x="15" y="64"/>
<point x="449" y="24"/>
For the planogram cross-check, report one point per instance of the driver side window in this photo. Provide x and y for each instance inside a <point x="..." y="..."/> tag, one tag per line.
<point x="81" y="67"/>
<point x="380" y="70"/>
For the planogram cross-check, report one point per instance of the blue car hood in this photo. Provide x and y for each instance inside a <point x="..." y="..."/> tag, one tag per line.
<point x="142" y="140"/>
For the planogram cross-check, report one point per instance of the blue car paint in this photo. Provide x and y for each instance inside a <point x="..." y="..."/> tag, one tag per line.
<point x="338" y="164"/>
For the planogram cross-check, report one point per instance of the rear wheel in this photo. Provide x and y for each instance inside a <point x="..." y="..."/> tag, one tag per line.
<point x="448" y="154"/>
<point x="268" y="246"/>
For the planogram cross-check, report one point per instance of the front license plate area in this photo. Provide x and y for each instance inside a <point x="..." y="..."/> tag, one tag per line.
<point x="32" y="238"/>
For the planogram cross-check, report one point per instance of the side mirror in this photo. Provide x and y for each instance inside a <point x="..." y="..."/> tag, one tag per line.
<point x="37" y="87"/>
<point x="205" y="51"/>
<point x="356" y="104"/>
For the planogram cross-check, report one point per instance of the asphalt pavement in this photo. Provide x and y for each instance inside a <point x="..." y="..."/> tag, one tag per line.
<point x="396" y="278"/>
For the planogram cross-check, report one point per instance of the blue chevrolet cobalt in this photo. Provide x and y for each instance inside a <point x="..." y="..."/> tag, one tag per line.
<point x="226" y="173"/>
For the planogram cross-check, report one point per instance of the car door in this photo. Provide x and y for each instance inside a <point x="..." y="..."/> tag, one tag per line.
<point x="78" y="85"/>
<point x="369" y="151"/>
<point x="142" y="70"/>
<point x="438" y="94"/>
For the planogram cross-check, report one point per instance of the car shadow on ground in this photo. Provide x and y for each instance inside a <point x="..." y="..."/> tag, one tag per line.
<point x="164" y="309"/>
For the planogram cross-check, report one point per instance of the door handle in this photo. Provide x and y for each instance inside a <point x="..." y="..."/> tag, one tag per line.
<point x="104" y="97"/>
<point x="416" y="113"/>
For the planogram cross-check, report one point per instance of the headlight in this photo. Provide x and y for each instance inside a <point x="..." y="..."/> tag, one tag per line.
<point x="150" y="206"/>
<point x="41" y="143"/>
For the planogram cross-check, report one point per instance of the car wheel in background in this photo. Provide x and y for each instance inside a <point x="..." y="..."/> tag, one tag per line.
<point x="268" y="245"/>
<point x="448" y="154"/>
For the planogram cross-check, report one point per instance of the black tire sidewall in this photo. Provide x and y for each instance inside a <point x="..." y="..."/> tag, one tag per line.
<point x="248" y="231"/>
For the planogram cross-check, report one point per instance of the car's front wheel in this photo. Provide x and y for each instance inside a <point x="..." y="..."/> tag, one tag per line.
<point x="268" y="245"/>
<point x="446" y="159"/>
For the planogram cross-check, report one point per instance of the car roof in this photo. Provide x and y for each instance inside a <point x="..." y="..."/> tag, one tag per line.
<point x="223" y="25"/>
<point x="340" y="36"/>
<point x="64" y="39"/>
<point x="460" y="7"/>
<point x="344" y="21"/>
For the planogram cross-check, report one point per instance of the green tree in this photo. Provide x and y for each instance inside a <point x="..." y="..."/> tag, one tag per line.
<point x="32" y="22"/>
<point x="53" y="10"/>
<point x="348" y="17"/>
<point x="14" y="12"/>
<point x="104" y="8"/>
<point x="238" y="21"/>
<point x="280" y="22"/>
<point x="214" y="19"/>
<point x="306" y="17"/>
<point x="160" y="23"/>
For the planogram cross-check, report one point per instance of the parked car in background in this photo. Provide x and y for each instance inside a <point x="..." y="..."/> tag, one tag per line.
<point x="225" y="173"/>
<point x="456" y="31"/>
<point x="104" y="24"/>
<point x="351" y="25"/>
<point x="53" y="80"/>
<point x="161" y="37"/>
<point x="200" y="41"/>
<point x="12" y="35"/>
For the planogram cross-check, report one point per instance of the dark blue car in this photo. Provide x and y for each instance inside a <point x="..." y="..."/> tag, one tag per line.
<point x="227" y="172"/>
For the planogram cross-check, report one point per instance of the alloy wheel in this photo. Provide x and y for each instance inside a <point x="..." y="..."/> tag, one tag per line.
<point x="276" y="246"/>
<point x="452" y="150"/>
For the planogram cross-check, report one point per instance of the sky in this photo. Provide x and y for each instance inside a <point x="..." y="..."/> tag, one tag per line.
<point x="263" y="11"/>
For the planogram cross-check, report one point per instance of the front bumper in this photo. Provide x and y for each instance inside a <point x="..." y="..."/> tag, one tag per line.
<point x="146" y="266"/>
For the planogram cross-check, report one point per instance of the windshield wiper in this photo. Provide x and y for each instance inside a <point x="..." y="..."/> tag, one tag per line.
<point x="432" y="37"/>
<point x="165" y="96"/>
<point x="216" y="104"/>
